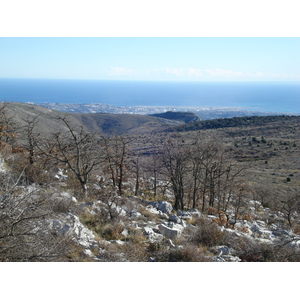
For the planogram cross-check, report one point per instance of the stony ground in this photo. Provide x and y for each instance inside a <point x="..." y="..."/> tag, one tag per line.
<point x="145" y="224"/>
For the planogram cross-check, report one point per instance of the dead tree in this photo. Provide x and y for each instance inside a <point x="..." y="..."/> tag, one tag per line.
<point x="116" y="156"/>
<point x="30" y="137"/>
<point x="290" y="206"/>
<point x="8" y="128"/>
<point x="212" y="173"/>
<point x="24" y="230"/>
<point x="136" y="170"/>
<point x="76" y="149"/>
<point x="174" y="160"/>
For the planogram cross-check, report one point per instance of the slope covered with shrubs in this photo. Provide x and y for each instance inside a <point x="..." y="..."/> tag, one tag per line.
<point x="79" y="196"/>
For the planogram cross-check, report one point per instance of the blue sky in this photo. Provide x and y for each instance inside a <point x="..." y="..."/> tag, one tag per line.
<point x="135" y="58"/>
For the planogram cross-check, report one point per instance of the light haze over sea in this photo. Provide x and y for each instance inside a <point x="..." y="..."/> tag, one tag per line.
<point x="258" y="96"/>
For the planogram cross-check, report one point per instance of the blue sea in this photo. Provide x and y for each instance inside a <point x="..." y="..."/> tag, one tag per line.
<point x="258" y="96"/>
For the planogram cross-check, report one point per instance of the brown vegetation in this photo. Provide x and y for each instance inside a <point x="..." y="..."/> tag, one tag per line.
<point x="213" y="170"/>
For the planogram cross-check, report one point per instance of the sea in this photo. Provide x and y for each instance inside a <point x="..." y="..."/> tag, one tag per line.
<point x="258" y="96"/>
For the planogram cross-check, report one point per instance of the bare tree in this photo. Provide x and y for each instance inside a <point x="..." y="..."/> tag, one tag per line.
<point x="136" y="170"/>
<point x="239" y="201"/>
<point x="213" y="173"/>
<point x="78" y="150"/>
<point x="116" y="155"/>
<point x="290" y="206"/>
<point x="152" y="165"/>
<point x="31" y="138"/>
<point x="8" y="128"/>
<point x="174" y="160"/>
<point x="153" y="169"/>
<point x="24" y="231"/>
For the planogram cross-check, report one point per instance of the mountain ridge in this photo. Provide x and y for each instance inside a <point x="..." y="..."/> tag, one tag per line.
<point x="103" y="123"/>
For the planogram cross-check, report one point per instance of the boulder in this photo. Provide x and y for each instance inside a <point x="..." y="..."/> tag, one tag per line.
<point x="2" y="165"/>
<point x="152" y="210"/>
<point x="147" y="230"/>
<point x="84" y="236"/>
<point x="256" y="229"/>
<point x="219" y="259"/>
<point x="163" y="215"/>
<point x="221" y="250"/>
<point x="194" y="212"/>
<point x="185" y="215"/>
<point x="71" y="226"/>
<point x="174" y="218"/>
<point x="118" y="242"/>
<point x="125" y="232"/>
<point x="231" y="258"/>
<point x="60" y="175"/>
<point x="163" y="206"/>
<point x="151" y="235"/>
<point x="134" y="214"/>
<point x="119" y="210"/>
<point x="170" y="233"/>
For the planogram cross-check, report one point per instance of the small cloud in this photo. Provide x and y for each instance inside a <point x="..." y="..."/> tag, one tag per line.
<point x="194" y="72"/>
<point x="183" y="72"/>
<point x="256" y="75"/>
<point x="223" y="73"/>
<point x="117" y="71"/>
<point x="284" y="76"/>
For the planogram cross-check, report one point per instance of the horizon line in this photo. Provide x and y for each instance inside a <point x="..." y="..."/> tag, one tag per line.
<point x="153" y="80"/>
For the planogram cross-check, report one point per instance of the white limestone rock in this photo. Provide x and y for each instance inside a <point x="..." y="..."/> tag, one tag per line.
<point x="185" y="215"/>
<point x="221" y="250"/>
<point x="163" y="206"/>
<point x="60" y="175"/>
<point x="118" y="242"/>
<point x="170" y="232"/>
<point x="231" y="258"/>
<point x="194" y="212"/>
<point x="152" y="235"/>
<point x="174" y="218"/>
<point x="134" y="214"/>
<point x="152" y="210"/>
<point x="70" y="225"/>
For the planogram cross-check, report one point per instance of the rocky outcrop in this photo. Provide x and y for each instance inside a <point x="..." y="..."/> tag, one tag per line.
<point x="170" y="230"/>
<point x="151" y="235"/>
<point x="163" y="206"/>
<point x="70" y="226"/>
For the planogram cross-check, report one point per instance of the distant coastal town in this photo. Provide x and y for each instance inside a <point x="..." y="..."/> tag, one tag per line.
<point x="204" y="113"/>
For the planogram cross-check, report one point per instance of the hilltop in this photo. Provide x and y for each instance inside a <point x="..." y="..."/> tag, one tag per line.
<point x="185" y="117"/>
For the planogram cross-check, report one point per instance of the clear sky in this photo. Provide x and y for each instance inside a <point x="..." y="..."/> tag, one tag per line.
<point x="135" y="58"/>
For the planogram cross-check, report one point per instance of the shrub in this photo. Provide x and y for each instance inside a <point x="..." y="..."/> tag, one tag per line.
<point x="60" y="205"/>
<point x="110" y="231"/>
<point x="188" y="253"/>
<point x="255" y="252"/>
<point x="251" y="251"/>
<point x="207" y="233"/>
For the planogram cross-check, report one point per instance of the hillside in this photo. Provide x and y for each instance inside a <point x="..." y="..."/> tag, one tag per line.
<point x="102" y="123"/>
<point x="235" y="122"/>
<point x="224" y="192"/>
<point x="185" y="117"/>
